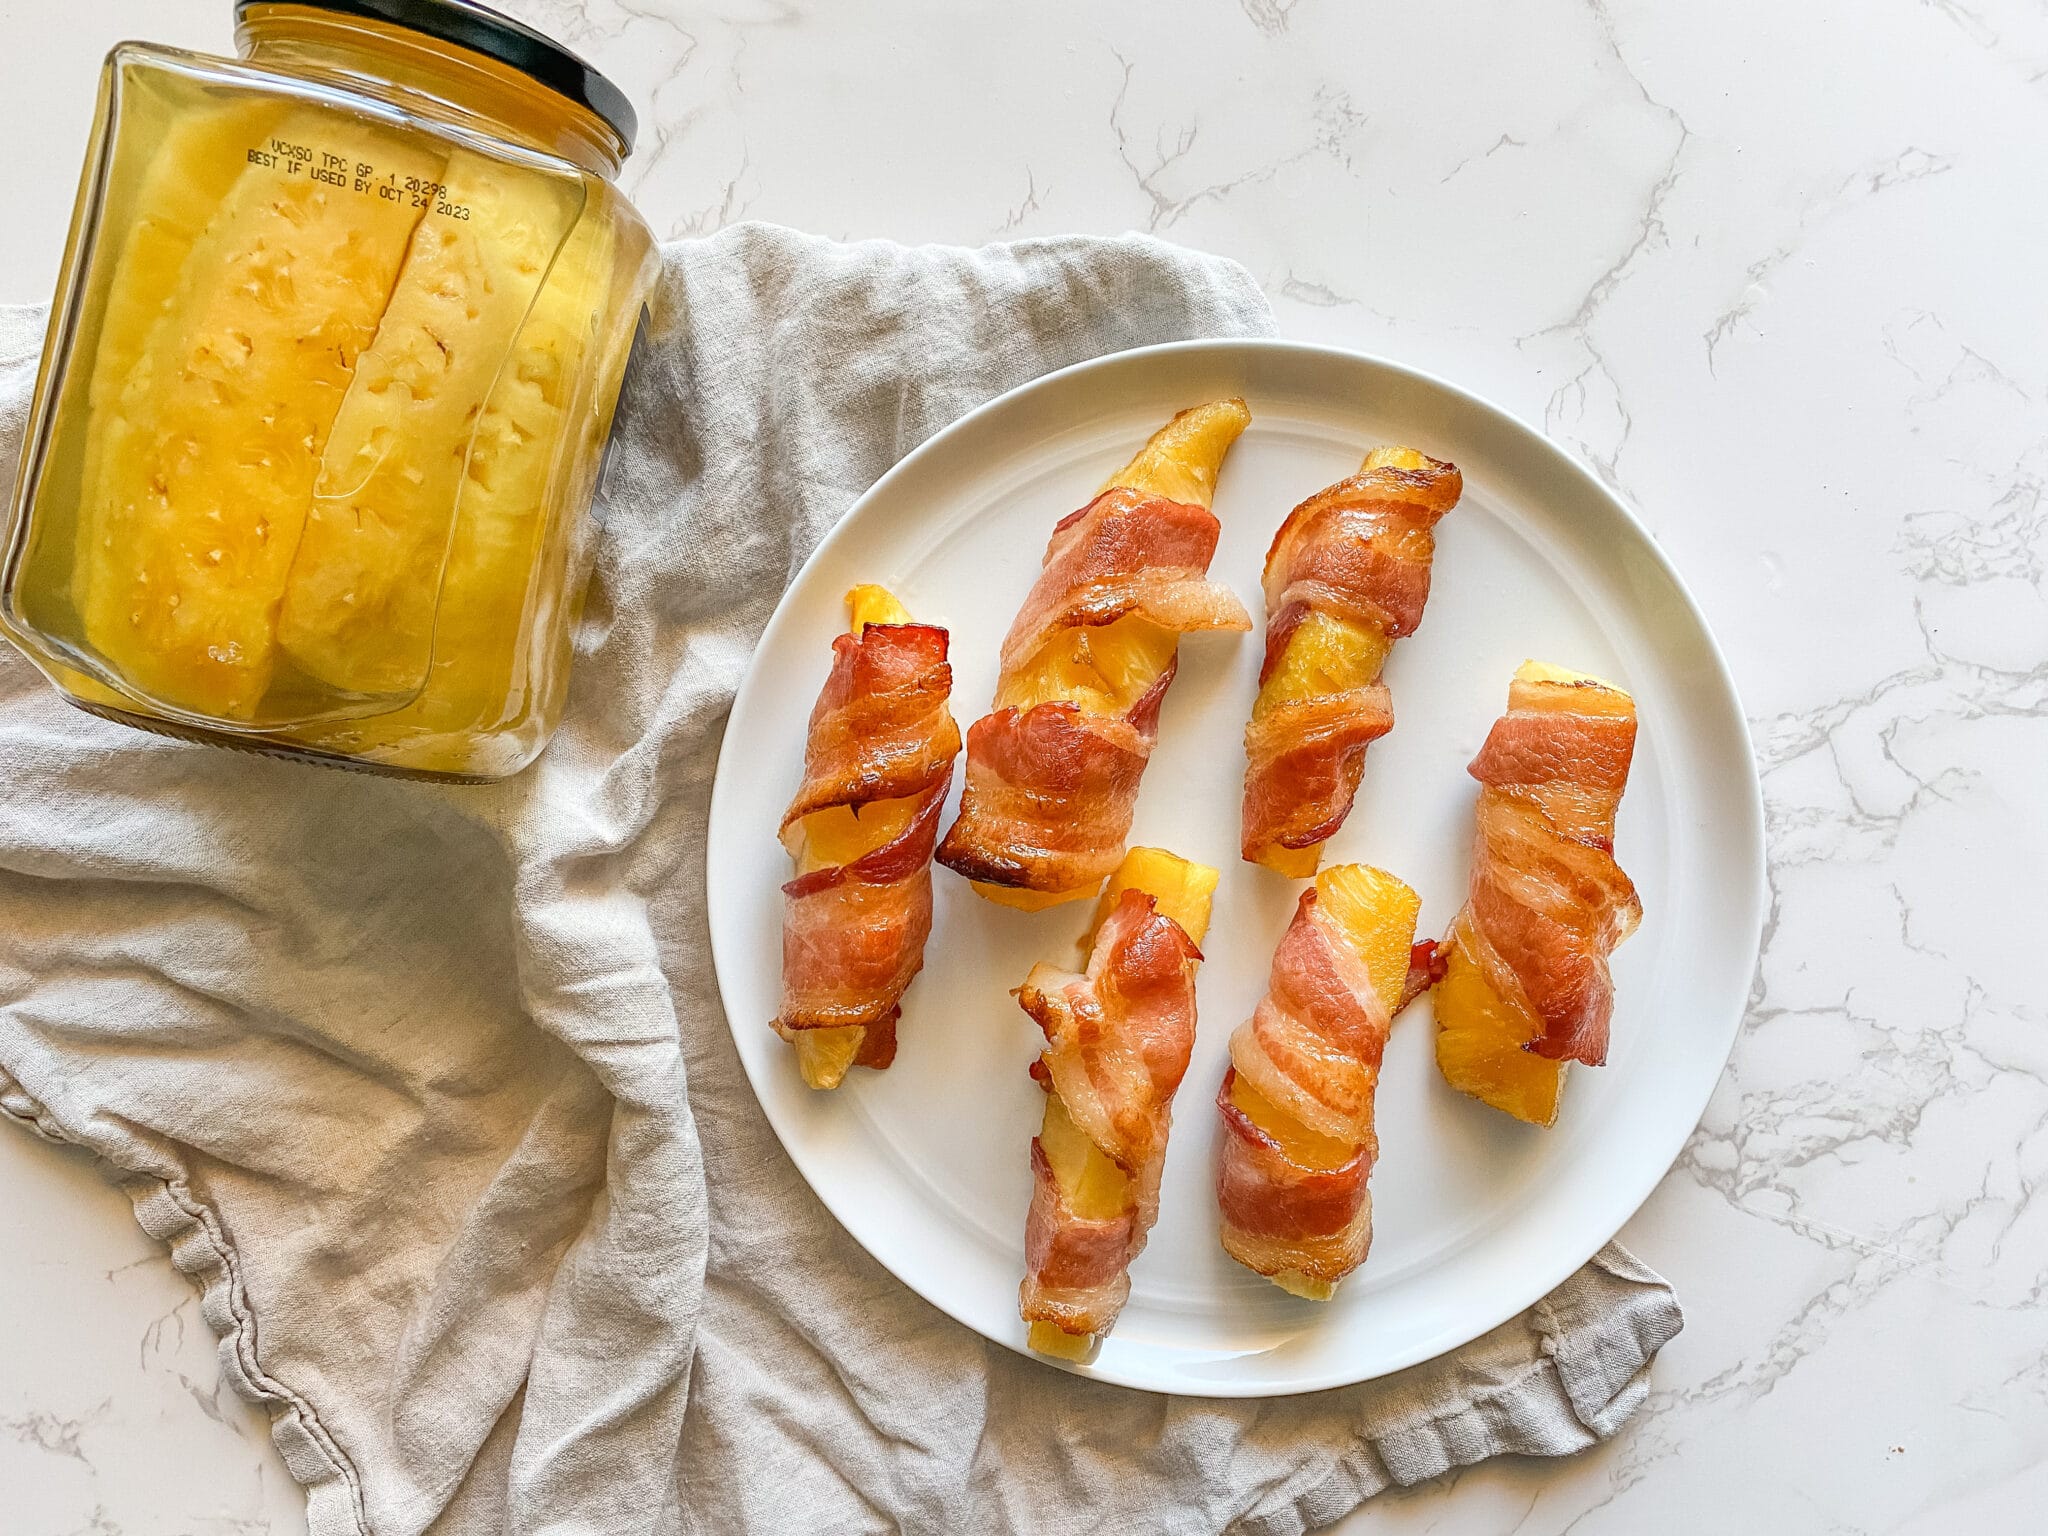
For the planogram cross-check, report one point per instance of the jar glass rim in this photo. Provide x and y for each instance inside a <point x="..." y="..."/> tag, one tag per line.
<point x="480" y="29"/>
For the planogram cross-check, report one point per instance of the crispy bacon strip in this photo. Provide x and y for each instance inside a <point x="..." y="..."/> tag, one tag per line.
<point x="1312" y="1051"/>
<point x="1547" y="903"/>
<point x="1076" y="1268"/>
<point x="1125" y="552"/>
<point x="1118" y="1039"/>
<point x="1357" y="553"/>
<point x="1303" y="761"/>
<point x="1052" y="788"/>
<point x="853" y="936"/>
<point x="880" y="729"/>
<point x="1281" y="1215"/>
<point x="881" y="745"/>
<point x="1051" y="792"/>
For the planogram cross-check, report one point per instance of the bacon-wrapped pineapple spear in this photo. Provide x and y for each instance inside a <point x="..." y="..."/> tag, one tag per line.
<point x="1526" y="986"/>
<point x="1053" y="769"/>
<point x="1347" y="576"/>
<point x="1118" y="1037"/>
<point x="1297" y="1102"/>
<point x="861" y="831"/>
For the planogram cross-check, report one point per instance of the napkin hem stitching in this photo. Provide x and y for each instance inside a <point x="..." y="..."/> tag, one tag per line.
<point x="197" y="1246"/>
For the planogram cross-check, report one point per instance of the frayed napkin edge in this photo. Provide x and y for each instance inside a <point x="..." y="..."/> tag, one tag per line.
<point x="1600" y="1395"/>
<point x="167" y="1211"/>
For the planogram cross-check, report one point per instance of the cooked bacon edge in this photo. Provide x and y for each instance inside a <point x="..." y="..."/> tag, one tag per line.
<point x="1359" y="550"/>
<point x="1312" y="1049"/>
<point x="1303" y="763"/>
<point x="1125" y="552"/>
<point x="853" y="934"/>
<point x="1118" y="1039"/>
<point x="1547" y="902"/>
<point x="880" y="729"/>
<point x="1428" y="961"/>
<point x="1280" y="1215"/>
<point x="1076" y="1271"/>
<point x="1051" y="791"/>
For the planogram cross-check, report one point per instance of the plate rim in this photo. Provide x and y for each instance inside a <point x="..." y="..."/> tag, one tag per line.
<point x="1652" y="1170"/>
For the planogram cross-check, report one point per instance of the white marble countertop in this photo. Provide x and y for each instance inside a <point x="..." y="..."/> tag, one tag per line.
<point x="1775" y="271"/>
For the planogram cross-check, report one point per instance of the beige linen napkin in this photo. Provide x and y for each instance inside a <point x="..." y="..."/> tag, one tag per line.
<point x="429" y="1089"/>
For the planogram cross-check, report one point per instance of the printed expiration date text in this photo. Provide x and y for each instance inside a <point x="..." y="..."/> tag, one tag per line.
<point x="357" y="176"/>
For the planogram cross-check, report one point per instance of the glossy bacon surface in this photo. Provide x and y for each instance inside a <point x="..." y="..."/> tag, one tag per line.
<point x="1347" y="575"/>
<point x="1053" y="770"/>
<point x="853" y="936"/>
<point x="1076" y="1267"/>
<point x="1303" y="763"/>
<point x="1280" y="1215"/>
<point x="879" y="756"/>
<point x="1051" y="792"/>
<point x="1125" y="552"/>
<point x="1292" y="1192"/>
<point x="1547" y="903"/>
<point x="1362" y="547"/>
<point x="1118" y="1039"/>
<point x="881" y="729"/>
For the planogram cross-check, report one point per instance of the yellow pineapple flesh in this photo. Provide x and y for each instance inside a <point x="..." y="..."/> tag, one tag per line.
<point x="1394" y="457"/>
<point x="1481" y="1036"/>
<point x="360" y="606"/>
<point x="1311" y="1149"/>
<point x="1479" y="1045"/>
<point x="1051" y="1339"/>
<point x="1375" y="913"/>
<point x="189" y="174"/>
<point x="1294" y="863"/>
<point x="495" y="622"/>
<point x="1180" y="889"/>
<point x="1327" y="653"/>
<point x="206" y="465"/>
<point x="869" y="604"/>
<point x="825" y="1056"/>
<point x="1307" y="1287"/>
<point x="1094" y="1186"/>
<point x="1105" y="669"/>
<point x="1541" y="685"/>
<point x="1090" y="1181"/>
<point x="837" y="835"/>
<point x="1022" y="900"/>
<point x="1183" y="458"/>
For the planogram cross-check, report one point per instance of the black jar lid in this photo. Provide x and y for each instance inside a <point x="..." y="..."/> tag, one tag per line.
<point x="496" y="36"/>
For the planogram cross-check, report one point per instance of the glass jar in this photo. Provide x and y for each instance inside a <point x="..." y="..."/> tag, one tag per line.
<point x="327" y="386"/>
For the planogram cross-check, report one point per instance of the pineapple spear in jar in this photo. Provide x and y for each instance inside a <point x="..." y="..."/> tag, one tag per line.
<point x="342" y="327"/>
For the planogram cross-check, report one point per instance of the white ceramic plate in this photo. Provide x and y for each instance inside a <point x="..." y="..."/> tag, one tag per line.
<point x="1475" y="1216"/>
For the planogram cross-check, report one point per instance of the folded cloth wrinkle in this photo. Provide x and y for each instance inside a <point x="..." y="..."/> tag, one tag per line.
<point x="429" y="1091"/>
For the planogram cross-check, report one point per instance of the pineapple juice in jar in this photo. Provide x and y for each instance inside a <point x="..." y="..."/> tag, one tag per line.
<point x="327" y="388"/>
